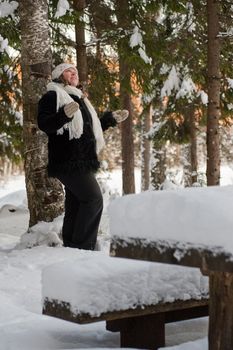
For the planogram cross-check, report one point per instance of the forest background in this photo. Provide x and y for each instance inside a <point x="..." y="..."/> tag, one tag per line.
<point x="168" y="62"/>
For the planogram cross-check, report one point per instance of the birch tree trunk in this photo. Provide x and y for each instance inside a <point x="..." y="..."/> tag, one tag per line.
<point x="187" y="179"/>
<point x="214" y="76"/>
<point x="45" y="196"/>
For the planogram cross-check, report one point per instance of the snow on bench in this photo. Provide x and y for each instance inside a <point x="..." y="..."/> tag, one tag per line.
<point x="99" y="287"/>
<point x="178" y="221"/>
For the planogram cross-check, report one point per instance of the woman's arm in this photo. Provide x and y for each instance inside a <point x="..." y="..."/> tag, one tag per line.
<point x="50" y="120"/>
<point x="107" y="121"/>
<point x="113" y="118"/>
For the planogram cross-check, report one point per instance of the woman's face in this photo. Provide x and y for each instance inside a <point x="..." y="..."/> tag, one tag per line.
<point x="70" y="75"/>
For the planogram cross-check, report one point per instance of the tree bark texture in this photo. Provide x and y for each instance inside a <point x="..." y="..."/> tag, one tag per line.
<point x="146" y="149"/>
<point x="190" y="150"/>
<point x="127" y="142"/>
<point x="193" y="146"/>
<point x="187" y="165"/>
<point x="79" y="5"/>
<point x="221" y="311"/>
<point x="214" y="76"/>
<point x="158" y="166"/>
<point x="100" y="24"/>
<point x="45" y="196"/>
<point x="127" y="146"/>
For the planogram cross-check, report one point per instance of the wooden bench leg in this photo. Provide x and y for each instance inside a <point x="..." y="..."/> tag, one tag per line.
<point x="221" y="311"/>
<point x="142" y="332"/>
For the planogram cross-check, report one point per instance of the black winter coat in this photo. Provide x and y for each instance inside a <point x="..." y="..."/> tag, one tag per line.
<point x="66" y="155"/>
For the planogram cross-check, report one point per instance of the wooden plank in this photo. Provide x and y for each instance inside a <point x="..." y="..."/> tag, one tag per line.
<point x="148" y="331"/>
<point x="221" y="311"/>
<point x="62" y="310"/>
<point x="172" y="252"/>
<point x="186" y="314"/>
<point x="144" y="332"/>
<point x="169" y="316"/>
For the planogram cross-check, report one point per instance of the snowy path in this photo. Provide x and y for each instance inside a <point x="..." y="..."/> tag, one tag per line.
<point x="22" y="326"/>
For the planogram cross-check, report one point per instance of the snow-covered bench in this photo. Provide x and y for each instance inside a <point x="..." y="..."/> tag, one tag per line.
<point x="189" y="227"/>
<point x="136" y="298"/>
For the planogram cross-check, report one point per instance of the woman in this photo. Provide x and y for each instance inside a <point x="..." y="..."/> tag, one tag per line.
<point x="75" y="137"/>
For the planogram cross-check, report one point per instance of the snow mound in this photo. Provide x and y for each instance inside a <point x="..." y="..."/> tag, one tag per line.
<point x="43" y="233"/>
<point x="15" y="199"/>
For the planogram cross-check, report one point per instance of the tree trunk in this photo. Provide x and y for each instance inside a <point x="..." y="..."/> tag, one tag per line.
<point x="45" y="196"/>
<point x="193" y="146"/>
<point x="146" y="148"/>
<point x="221" y="311"/>
<point x="127" y="147"/>
<point x="99" y="20"/>
<point x="81" y="54"/>
<point x="125" y="88"/>
<point x="158" y="167"/>
<point x="213" y="114"/>
<point x="187" y="165"/>
<point x="190" y="149"/>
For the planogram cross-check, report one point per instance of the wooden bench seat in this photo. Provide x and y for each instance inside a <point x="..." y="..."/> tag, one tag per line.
<point x="142" y="327"/>
<point x="135" y="298"/>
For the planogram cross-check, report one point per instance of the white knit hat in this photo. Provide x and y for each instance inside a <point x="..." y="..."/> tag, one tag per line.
<point x="57" y="72"/>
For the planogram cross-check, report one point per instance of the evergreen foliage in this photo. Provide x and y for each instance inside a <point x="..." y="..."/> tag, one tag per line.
<point x="173" y="34"/>
<point x="11" y="141"/>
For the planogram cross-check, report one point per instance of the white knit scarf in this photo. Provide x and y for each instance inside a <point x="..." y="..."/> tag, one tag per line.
<point x="75" y="126"/>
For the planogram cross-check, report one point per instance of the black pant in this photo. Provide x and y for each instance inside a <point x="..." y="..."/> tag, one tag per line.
<point x="83" y="209"/>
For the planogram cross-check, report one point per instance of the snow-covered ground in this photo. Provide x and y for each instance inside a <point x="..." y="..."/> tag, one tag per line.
<point x="22" y="326"/>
